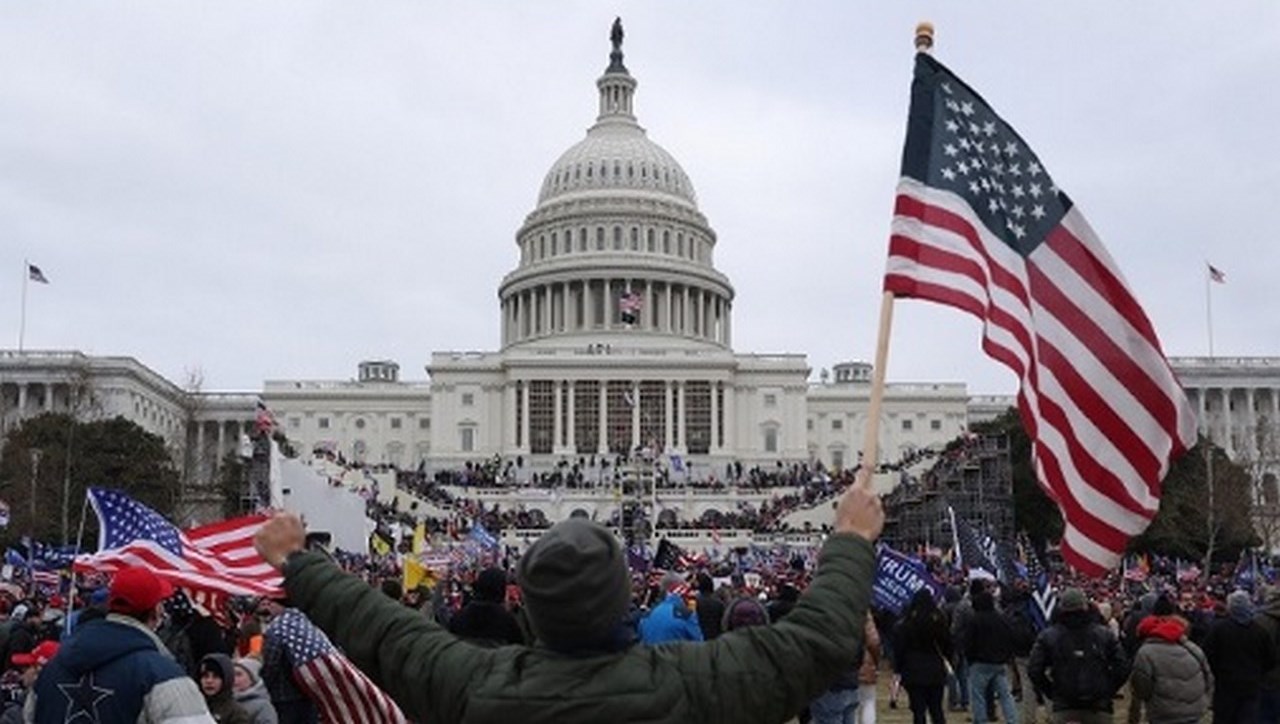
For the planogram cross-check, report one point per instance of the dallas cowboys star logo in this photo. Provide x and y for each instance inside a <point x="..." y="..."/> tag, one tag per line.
<point x="83" y="698"/>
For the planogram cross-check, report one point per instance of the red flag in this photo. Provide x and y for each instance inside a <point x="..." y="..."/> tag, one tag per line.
<point x="979" y="225"/>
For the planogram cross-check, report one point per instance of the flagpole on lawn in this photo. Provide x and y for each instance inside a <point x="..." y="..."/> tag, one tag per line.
<point x="71" y="594"/>
<point x="871" y="434"/>
<point x="22" y="323"/>
<point x="1208" y="303"/>
<point x="1208" y="429"/>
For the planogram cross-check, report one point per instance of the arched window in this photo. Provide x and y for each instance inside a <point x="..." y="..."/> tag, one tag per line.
<point x="582" y="239"/>
<point x="680" y="244"/>
<point x="635" y="239"/>
<point x="666" y="241"/>
<point x="649" y="245"/>
<point x="599" y="238"/>
<point x="617" y="238"/>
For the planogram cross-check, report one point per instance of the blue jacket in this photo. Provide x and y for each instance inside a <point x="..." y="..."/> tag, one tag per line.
<point x="115" y="671"/>
<point x="670" y="620"/>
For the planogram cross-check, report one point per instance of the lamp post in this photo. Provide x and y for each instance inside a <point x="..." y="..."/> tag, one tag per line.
<point x="36" y="453"/>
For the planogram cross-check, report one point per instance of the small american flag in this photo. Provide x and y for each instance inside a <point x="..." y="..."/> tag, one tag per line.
<point x="980" y="225"/>
<point x="340" y="691"/>
<point x="629" y="305"/>
<point x="1217" y="275"/>
<point x="35" y="275"/>
<point x="218" y="557"/>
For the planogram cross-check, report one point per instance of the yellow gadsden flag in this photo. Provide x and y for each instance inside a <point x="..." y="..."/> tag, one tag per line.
<point x="416" y="574"/>
<point x="419" y="538"/>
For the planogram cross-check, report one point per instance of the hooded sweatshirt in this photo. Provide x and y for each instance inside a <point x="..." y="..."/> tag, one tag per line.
<point x="221" y="704"/>
<point x="1171" y="674"/>
<point x="255" y="700"/>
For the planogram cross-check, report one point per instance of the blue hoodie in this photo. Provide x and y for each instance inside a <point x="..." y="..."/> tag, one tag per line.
<point x="115" y="671"/>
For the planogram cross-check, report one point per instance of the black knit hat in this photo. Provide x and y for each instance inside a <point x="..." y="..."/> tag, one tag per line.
<point x="575" y="584"/>
<point x="1163" y="606"/>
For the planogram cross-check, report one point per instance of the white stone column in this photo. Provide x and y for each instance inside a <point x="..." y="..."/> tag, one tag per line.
<point x="524" y="416"/>
<point x="510" y="393"/>
<point x="715" y="411"/>
<point x="222" y="444"/>
<point x="730" y="419"/>
<point x="684" y="325"/>
<point x="602" y="442"/>
<point x="22" y="399"/>
<point x="1202" y="410"/>
<point x="706" y="315"/>
<point x="648" y="312"/>
<point x="572" y="442"/>
<point x="669" y="412"/>
<point x="680" y="408"/>
<point x="48" y="397"/>
<point x="635" y="415"/>
<point x="608" y="304"/>
<point x="1251" y="422"/>
<point x="557" y="406"/>
<point x="200" y="451"/>
<point x="728" y="326"/>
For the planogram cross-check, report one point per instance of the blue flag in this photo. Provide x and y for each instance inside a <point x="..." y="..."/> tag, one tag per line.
<point x="898" y="577"/>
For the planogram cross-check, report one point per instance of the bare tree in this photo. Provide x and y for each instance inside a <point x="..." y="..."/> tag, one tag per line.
<point x="1263" y="464"/>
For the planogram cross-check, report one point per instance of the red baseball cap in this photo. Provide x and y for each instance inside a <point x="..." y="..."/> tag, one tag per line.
<point x="136" y="590"/>
<point x="41" y="654"/>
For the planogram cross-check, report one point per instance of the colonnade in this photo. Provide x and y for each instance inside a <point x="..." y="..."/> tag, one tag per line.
<point x="597" y="304"/>
<point x="694" y="416"/>
<point x="1230" y="417"/>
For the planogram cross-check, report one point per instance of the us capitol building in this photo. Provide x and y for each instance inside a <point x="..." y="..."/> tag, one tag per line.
<point x="616" y="335"/>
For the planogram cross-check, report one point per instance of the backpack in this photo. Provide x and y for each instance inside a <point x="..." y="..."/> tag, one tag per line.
<point x="1022" y="628"/>
<point x="1081" y="673"/>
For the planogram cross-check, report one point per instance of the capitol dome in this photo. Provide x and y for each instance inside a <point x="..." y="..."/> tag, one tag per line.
<point x="616" y="247"/>
<point x="616" y="155"/>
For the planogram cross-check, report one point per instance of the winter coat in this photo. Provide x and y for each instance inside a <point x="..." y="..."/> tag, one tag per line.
<point x="739" y="677"/>
<point x="222" y="704"/>
<point x="988" y="638"/>
<point x="487" y="623"/>
<point x="1052" y="641"/>
<point x="710" y="615"/>
<point x="1269" y="619"/>
<point x="670" y="620"/>
<point x="255" y="700"/>
<point x="871" y="653"/>
<point x="1240" y="654"/>
<point x="119" y="662"/>
<point x="920" y="645"/>
<point x="1171" y="675"/>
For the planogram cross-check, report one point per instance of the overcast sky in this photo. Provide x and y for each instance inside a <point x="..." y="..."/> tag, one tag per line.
<point x="279" y="190"/>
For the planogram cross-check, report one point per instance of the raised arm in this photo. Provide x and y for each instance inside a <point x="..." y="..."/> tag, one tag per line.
<point x="422" y="666"/>
<point x="767" y="673"/>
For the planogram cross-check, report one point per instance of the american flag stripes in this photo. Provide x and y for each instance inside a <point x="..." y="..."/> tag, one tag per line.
<point x="340" y="691"/>
<point x="218" y="557"/>
<point x="1217" y="275"/>
<point x="629" y="305"/>
<point x="979" y="225"/>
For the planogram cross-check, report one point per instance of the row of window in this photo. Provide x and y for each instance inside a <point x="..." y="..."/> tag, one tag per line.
<point x="907" y="424"/>
<point x="642" y="174"/>
<point x="323" y="422"/>
<point x="556" y="243"/>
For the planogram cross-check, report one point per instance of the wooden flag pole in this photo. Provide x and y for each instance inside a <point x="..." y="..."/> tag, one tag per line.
<point x="871" y="435"/>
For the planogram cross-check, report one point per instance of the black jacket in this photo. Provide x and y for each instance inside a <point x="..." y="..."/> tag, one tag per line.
<point x="1239" y="654"/>
<point x="1050" y="645"/>
<point x="988" y="638"/>
<point x="710" y="614"/>
<point x="486" y="622"/>
<point x="920" y="645"/>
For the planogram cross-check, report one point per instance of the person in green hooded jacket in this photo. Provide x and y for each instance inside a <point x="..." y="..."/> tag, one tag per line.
<point x="585" y="665"/>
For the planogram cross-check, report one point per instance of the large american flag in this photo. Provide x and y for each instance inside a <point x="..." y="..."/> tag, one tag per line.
<point x="979" y="224"/>
<point x="218" y="558"/>
<point x="340" y="691"/>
